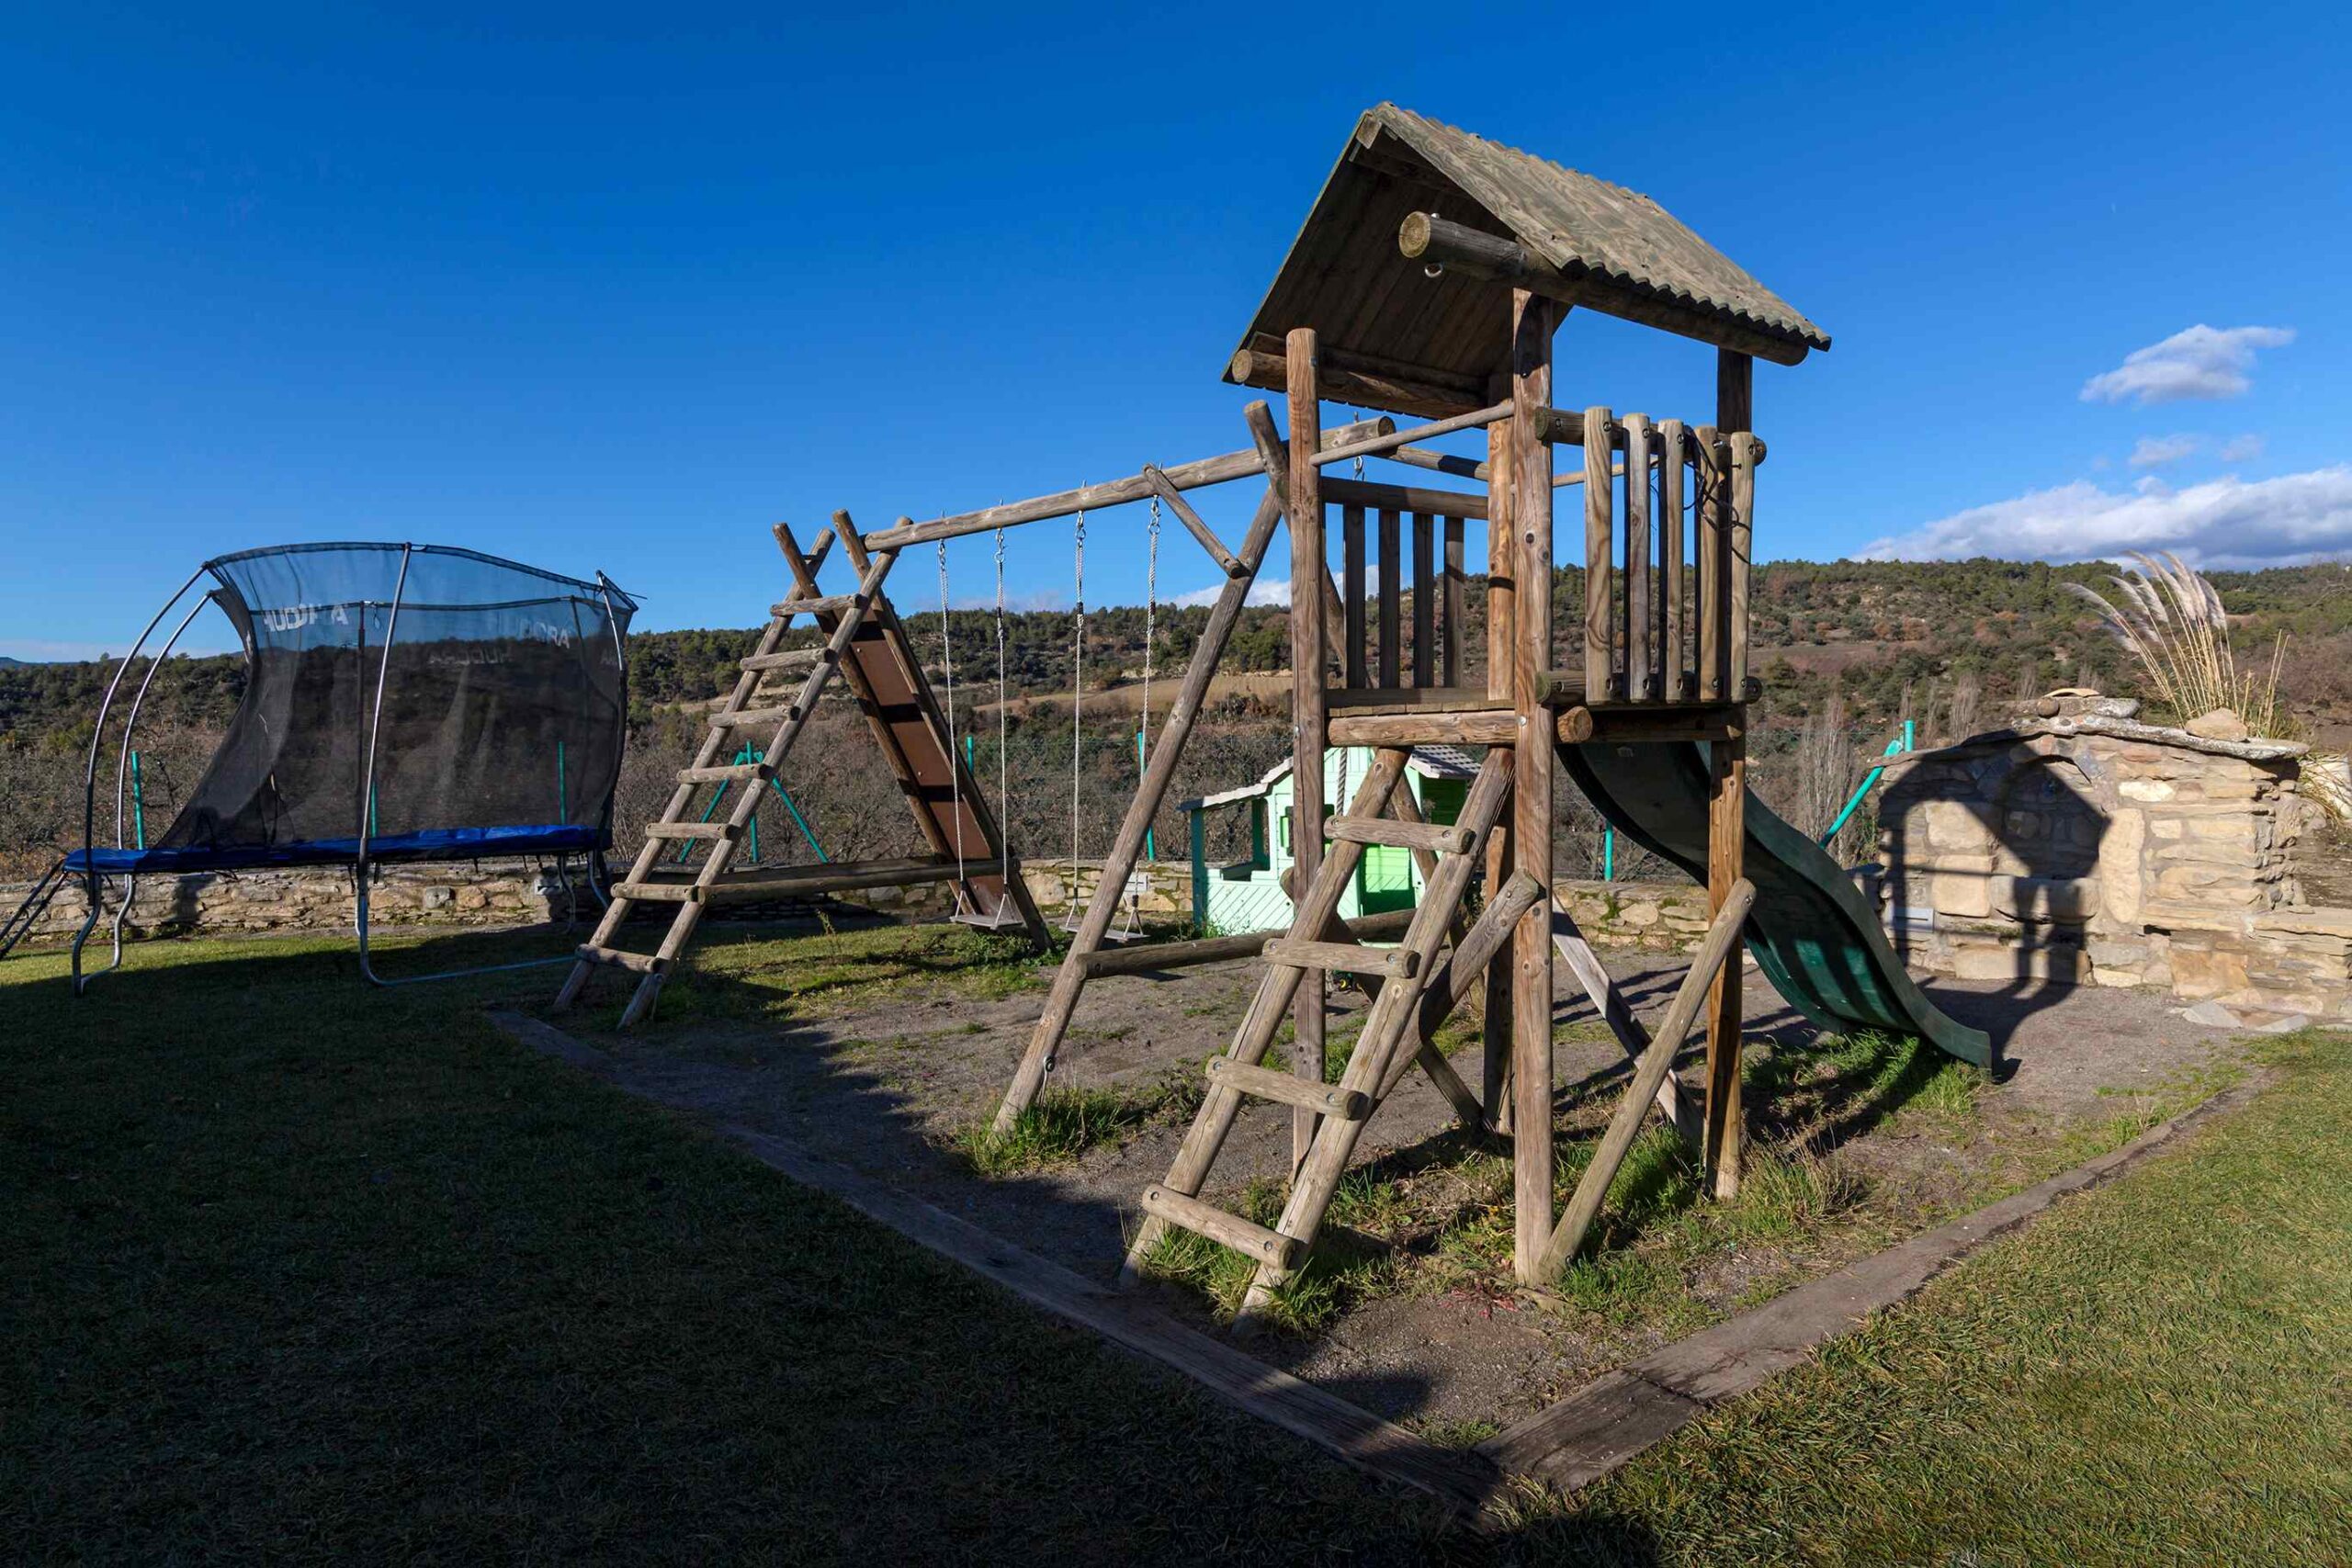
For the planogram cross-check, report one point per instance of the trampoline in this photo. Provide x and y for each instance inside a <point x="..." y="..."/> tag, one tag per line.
<point x="402" y="703"/>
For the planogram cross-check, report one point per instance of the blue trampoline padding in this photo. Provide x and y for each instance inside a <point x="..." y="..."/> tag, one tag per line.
<point x="433" y="844"/>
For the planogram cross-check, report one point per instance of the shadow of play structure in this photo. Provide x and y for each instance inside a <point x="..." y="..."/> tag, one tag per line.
<point x="1428" y="281"/>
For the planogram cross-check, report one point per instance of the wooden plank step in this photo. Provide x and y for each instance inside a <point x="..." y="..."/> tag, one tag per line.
<point x="636" y="963"/>
<point x="723" y="774"/>
<point x="717" y="829"/>
<point x="790" y="607"/>
<point x="658" y="892"/>
<point x="750" y="718"/>
<point x="1437" y="838"/>
<point x="791" y="659"/>
<point x="1345" y="957"/>
<point x="1226" y="1230"/>
<point x="1325" y="1099"/>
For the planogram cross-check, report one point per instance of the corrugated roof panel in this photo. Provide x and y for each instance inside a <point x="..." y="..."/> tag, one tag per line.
<point x="1345" y="277"/>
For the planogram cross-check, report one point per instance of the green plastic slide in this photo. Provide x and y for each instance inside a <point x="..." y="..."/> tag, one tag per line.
<point x="1813" y="935"/>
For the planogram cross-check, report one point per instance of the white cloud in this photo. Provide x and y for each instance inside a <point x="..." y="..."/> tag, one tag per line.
<point x="2202" y="362"/>
<point x="2289" y="521"/>
<point x="1262" y="592"/>
<point x="2156" y="451"/>
<point x="2241" y="450"/>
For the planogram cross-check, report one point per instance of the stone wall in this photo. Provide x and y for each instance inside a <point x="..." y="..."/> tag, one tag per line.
<point x="1645" y="917"/>
<point x="2088" y="848"/>
<point x="496" y="893"/>
<point x="493" y="892"/>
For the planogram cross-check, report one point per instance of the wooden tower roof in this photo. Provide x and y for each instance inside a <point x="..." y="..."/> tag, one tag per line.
<point x="1377" y="313"/>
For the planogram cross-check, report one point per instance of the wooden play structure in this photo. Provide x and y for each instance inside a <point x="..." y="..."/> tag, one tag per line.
<point x="1429" y="282"/>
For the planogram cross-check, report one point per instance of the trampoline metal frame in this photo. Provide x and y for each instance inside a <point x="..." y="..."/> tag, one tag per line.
<point x="95" y="879"/>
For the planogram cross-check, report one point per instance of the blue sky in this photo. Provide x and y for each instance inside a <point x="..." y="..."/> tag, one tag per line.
<point x="617" y="288"/>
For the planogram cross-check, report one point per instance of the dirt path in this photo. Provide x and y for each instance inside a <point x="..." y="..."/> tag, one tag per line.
<point x="887" y="1088"/>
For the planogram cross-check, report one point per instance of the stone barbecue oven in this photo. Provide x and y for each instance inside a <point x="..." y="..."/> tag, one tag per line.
<point x="2085" y="846"/>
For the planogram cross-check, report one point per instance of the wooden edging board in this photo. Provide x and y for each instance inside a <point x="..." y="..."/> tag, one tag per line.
<point x="1608" y="1422"/>
<point x="1567" y="1445"/>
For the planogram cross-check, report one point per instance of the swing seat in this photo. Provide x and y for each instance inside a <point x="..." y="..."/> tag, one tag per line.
<point x="1003" y="915"/>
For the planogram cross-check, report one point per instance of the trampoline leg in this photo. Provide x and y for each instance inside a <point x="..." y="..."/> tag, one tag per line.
<point x="89" y="924"/>
<point x="359" y="926"/>
<point x="122" y="913"/>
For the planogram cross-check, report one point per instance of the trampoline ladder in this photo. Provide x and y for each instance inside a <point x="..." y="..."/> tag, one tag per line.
<point x="28" y="914"/>
<point x="736" y="716"/>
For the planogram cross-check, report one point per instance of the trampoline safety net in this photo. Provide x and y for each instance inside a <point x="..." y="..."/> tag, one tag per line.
<point x="501" y="721"/>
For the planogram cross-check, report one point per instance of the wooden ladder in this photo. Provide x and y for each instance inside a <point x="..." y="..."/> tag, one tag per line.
<point x="1408" y="975"/>
<point x="741" y="712"/>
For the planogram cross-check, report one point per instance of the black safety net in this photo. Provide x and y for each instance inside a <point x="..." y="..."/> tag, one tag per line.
<point x="498" y="731"/>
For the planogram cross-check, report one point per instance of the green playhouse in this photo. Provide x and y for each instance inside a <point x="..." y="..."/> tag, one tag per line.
<point x="1247" y="895"/>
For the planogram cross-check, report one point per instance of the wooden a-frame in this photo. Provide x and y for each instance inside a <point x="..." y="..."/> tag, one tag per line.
<point x="868" y="645"/>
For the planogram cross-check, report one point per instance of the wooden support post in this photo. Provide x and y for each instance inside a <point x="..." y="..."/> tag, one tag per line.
<point x="1727" y="809"/>
<point x="1424" y="600"/>
<point x="1456" y="607"/>
<point x="1641" y="605"/>
<point x="1206" y="537"/>
<point x="1675" y="450"/>
<point x="1392" y="600"/>
<point x="1600" y="616"/>
<point x="1308" y="654"/>
<point x="1718" y="949"/>
<point x="1726" y="845"/>
<point x="1062" y="1001"/>
<point x="1741" y="546"/>
<point x="1534" y="321"/>
<point x="1502" y="630"/>
<point x="1351" y="598"/>
<point x="1713" y="595"/>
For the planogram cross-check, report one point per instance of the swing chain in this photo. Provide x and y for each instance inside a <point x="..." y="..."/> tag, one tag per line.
<point x="955" y="772"/>
<point x="1077" y="700"/>
<point x="1003" y="749"/>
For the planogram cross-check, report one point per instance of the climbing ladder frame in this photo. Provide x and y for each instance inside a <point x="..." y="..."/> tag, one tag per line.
<point x="866" y="644"/>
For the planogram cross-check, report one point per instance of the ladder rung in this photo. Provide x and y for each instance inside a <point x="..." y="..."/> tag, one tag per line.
<point x="1330" y="1100"/>
<point x="1229" y="1230"/>
<point x="640" y="963"/>
<point x="717" y="829"/>
<point x="658" y="892"/>
<point x="750" y="719"/>
<point x="723" y="772"/>
<point x="813" y="607"/>
<point x="1437" y="838"/>
<point x="791" y="659"/>
<point x="1346" y="957"/>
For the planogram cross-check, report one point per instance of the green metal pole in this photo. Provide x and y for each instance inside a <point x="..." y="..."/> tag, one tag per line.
<point x="561" y="814"/>
<point x="138" y="804"/>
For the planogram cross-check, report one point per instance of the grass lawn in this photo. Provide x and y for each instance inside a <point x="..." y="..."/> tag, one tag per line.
<point x="295" y="1269"/>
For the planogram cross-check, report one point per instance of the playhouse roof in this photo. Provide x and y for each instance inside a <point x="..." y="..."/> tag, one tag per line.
<point x="1429" y="761"/>
<point x="1375" y="308"/>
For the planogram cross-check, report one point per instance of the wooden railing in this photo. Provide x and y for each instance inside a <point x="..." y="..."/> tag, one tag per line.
<point x="1666" y="550"/>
